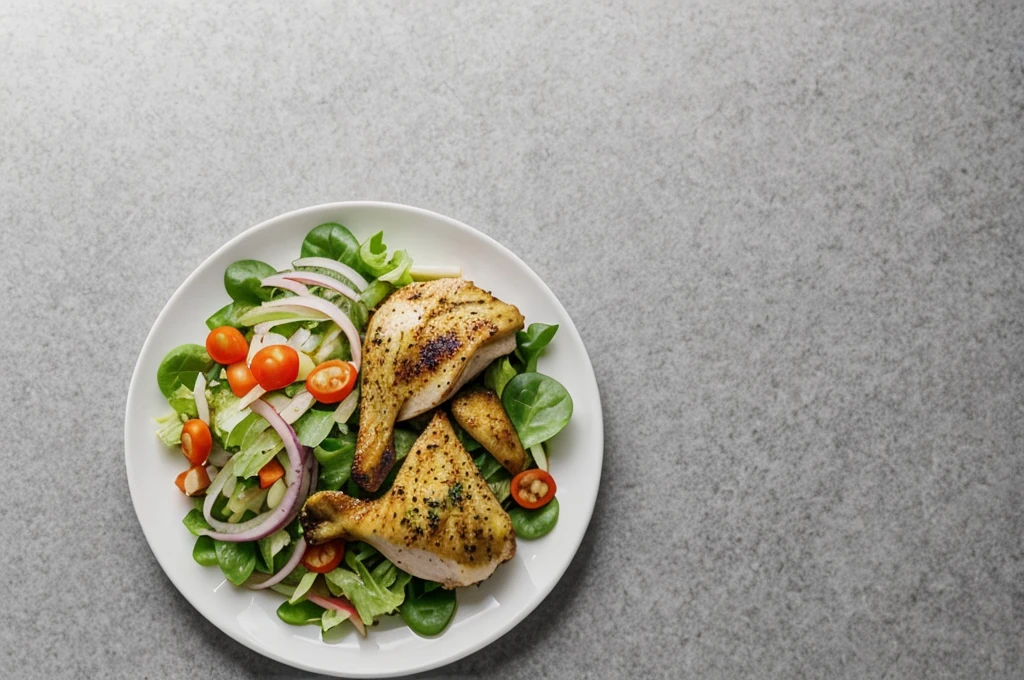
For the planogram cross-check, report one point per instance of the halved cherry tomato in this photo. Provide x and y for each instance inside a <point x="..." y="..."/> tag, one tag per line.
<point x="324" y="558"/>
<point x="331" y="381"/>
<point x="275" y="367"/>
<point x="196" y="441"/>
<point x="533" y="488"/>
<point x="193" y="481"/>
<point x="270" y="473"/>
<point x="226" y="345"/>
<point x="240" y="379"/>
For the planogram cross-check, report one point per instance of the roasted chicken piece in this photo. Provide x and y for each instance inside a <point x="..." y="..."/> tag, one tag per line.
<point x="423" y="344"/>
<point x="439" y="520"/>
<point x="480" y="413"/>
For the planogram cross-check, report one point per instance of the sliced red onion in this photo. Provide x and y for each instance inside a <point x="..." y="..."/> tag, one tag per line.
<point x="347" y="407"/>
<point x="340" y="604"/>
<point x="199" y="393"/>
<point x="298" y="337"/>
<point x="298" y="405"/>
<point x="312" y="303"/>
<point x="279" y="281"/>
<point x="322" y="280"/>
<point x="289" y="567"/>
<point x="267" y="523"/>
<point x="335" y="266"/>
<point x="265" y="326"/>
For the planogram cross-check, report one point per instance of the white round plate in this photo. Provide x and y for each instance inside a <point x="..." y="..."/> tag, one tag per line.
<point x="484" y="613"/>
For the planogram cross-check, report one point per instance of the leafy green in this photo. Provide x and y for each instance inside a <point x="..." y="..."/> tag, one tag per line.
<point x="236" y="560"/>
<point x="373" y="593"/>
<point x="375" y="293"/>
<point x="334" y="242"/>
<point x="305" y="583"/>
<point x="180" y="367"/>
<point x="272" y="545"/>
<point x="498" y="374"/>
<point x="404" y="439"/>
<point x="225" y="415"/>
<point x="251" y="423"/>
<point x="531" y="524"/>
<point x="169" y="428"/>
<point x="335" y="457"/>
<point x="183" y="401"/>
<point x="331" y="618"/>
<point x="229" y="315"/>
<point x="260" y="314"/>
<point x="242" y="281"/>
<point x="205" y="552"/>
<point x="313" y="426"/>
<point x="399" y="275"/>
<point x="249" y="460"/>
<point x="300" y="613"/>
<point x="429" y="613"/>
<point x="531" y="342"/>
<point x="497" y="477"/>
<point x="538" y="406"/>
<point x="294" y="388"/>
<point x="195" y="522"/>
<point x="374" y="255"/>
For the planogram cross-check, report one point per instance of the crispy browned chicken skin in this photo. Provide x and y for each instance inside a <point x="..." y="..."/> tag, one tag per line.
<point x="426" y="340"/>
<point x="480" y="413"/>
<point x="439" y="521"/>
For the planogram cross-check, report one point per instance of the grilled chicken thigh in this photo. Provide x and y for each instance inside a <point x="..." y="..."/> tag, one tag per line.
<point x="480" y="413"/>
<point x="426" y="340"/>
<point x="439" y="520"/>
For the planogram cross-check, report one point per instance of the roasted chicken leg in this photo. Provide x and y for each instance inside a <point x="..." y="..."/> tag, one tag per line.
<point x="480" y="413"/>
<point x="439" y="520"/>
<point x="426" y="340"/>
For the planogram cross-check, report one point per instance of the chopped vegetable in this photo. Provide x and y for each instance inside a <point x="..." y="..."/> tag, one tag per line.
<point x="324" y="558"/>
<point x="270" y="473"/>
<point x="193" y="481"/>
<point x="240" y="379"/>
<point x="533" y="488"/>
<point x="226" y="345"/>
<point x="196" y="441"/>
<point x="275" y="366"/>
<point x="331" y="381"/>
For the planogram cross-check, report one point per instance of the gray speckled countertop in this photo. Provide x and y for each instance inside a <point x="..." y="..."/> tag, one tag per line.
<point x="791" y="235"/>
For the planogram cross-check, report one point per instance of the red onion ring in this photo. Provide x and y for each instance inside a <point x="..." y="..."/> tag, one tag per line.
<point x="335" y="266"/>
<point x="323" y="281"/>
<point x="267" y="523"/>
<point x="279" y="281"/>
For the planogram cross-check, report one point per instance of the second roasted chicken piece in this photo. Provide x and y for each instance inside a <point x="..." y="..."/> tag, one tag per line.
<point x="439" y="520"/>
<point x="426" y="340"/>
<point x="480" y="413"/>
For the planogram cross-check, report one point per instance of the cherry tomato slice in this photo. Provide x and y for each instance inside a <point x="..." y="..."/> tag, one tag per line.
<point x="196" y="441"/>
<point x="533" y="488"/>
<point x="240" y="379"/>
<point x="226" y="345"/>
<point x="324" y="558"/>
<point x="275" y="367"/>
<point x="331" y="381"/>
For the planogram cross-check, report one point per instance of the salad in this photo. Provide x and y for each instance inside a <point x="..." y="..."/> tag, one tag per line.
<point x="266" y="413"/>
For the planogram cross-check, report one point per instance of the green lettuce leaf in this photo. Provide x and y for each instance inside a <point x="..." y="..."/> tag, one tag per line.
<point x="374" y="593"/>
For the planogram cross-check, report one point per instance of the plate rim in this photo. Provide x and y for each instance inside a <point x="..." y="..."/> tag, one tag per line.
<point x="505" y="626"/>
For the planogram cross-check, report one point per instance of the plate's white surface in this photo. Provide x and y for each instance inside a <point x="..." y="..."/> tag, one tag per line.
<point x="484" y="613"/>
